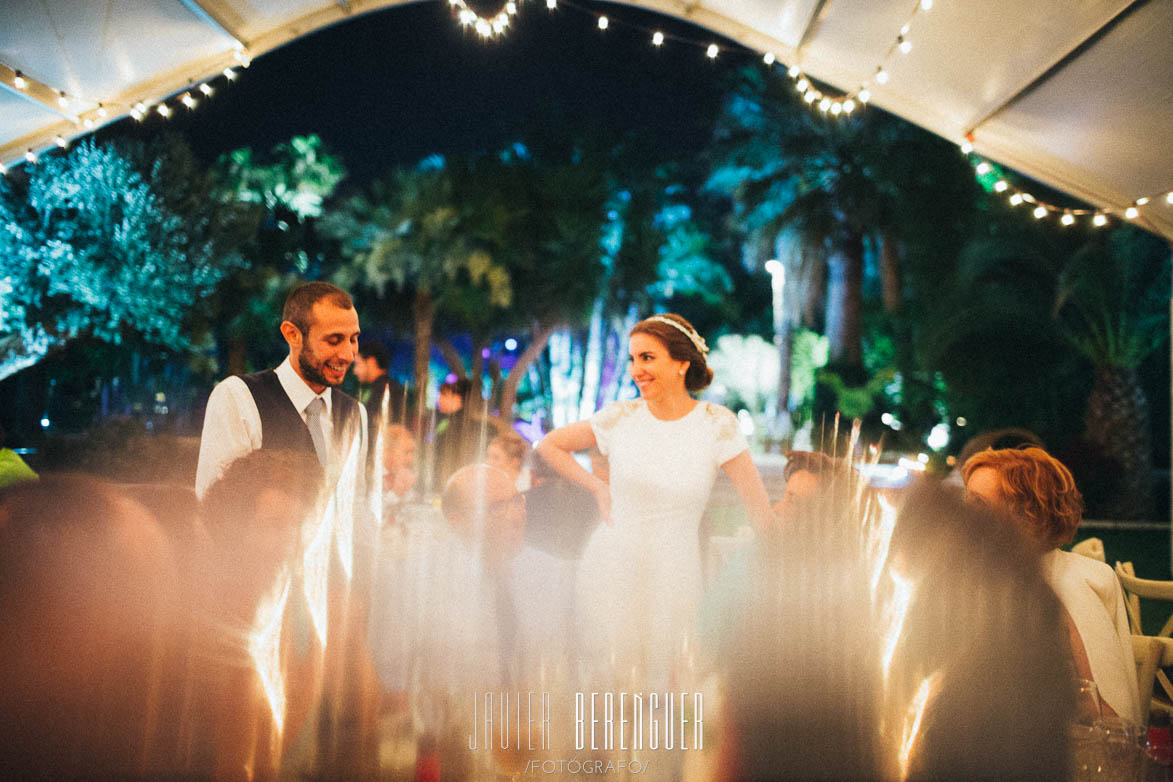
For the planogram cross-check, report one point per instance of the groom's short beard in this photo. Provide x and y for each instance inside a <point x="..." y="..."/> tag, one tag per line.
<point x="311" y="373"/>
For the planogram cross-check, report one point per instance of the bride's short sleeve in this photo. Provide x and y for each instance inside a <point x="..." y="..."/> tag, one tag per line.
<point x="605" y="421"/>
<point x="727" y="436"/>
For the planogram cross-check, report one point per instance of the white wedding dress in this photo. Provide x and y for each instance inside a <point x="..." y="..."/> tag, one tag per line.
<point x="639" y="581"/>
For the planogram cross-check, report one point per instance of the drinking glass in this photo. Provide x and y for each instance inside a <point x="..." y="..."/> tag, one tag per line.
<point x="1087" y="711"/>
<point x="1122" y="751"/>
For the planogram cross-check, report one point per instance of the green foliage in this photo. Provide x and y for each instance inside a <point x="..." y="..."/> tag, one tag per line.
<point x="1112" y="301"/>
<point x="297" y="176"/>
<point x="89" y="247"/>
<point x="747" y="366"/>
<point x="809" y="353"/>
<point x="855" y="401"/>
<point x="413" y="229"/>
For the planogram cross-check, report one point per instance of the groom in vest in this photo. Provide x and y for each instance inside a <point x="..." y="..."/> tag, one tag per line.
<point x="297" y="406"/>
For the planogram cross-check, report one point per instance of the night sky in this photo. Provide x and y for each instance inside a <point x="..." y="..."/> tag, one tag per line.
<point x="390" y="87"/>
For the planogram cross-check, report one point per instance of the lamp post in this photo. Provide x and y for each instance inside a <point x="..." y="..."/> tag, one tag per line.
<point x="781" y="417"/>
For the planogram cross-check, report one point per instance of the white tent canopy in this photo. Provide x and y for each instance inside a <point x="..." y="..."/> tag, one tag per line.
<point x="1077" y="94"/>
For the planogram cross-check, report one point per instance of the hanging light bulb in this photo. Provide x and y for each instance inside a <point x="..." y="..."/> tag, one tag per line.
<point x="824" y="104"/>
<point x="811" y="96"/>
<point x="905" y="45"/>
<point x="19" y="81"/>
<point x="1067" y="218"/>
<point x="1142" y="201"/>
<point x="802" y="85"/>
<point x="551" y="4"/>
<point x="603" y="22"/>
<point x="206" y="89"/>
<point x="62" y="100"/>
<point x="1000" y="186"/>
<point x="926" y="5"/>
<point x="30" y="156"/>
<point x="768" y="58"/>
<point x="712" y="51"/>
<point x="848" y="106"/>
<point x="102" y="111"/>
<point x="983" y="168"/>
<point x="1100" y="220"/>
<point x="836" y="108"/>
<point x="1169" y="198"/>
<point x="511" y="8"/>
<point x="1016" y="199"/>
<point x="966" y="147"/>
<point x="89" y="123"/>
<point x="60" y="141"/>
<point x="864" y="95"/>
<point x="1131" y="212"/>
<point x="881" y="76"/>
<point x="3" y="169"/>
<point x="230" y="74"/>
<point x="793" y="71"/>
<point x="163" y="109"/>
<point x="657" y="38"/>
<point x="484" y="28"/>
<point x="188" y="100"/>
<point x="1040" y="212"/>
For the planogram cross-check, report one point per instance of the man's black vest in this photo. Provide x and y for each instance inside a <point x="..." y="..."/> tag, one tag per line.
<point x="281" y="424"/>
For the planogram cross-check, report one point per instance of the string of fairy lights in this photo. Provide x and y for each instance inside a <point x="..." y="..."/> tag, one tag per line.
<point x="840" y="104"/>
<point x="88" y="114"/>
<point x="988" y="174"/>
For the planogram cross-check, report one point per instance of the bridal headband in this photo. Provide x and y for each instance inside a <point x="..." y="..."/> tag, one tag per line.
<point x="696" y="339"/>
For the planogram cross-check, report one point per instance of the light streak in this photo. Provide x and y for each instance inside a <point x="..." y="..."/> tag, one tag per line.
<point x="316" y="570"/>
<point x="264" y="647"/>
<point x="912" y="722"/>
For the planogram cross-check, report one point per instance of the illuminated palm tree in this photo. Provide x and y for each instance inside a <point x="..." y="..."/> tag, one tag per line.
<point x="1112" y="306"/>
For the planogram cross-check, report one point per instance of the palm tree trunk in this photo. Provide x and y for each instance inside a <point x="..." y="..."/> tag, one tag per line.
<point x="1117" y="420"/>
<point x="537" y="343"/>
<point x="844" y="295"/>
<point x="452" y="358"/>
<point x="890" y="275"/>
<point x="423" y="311"/>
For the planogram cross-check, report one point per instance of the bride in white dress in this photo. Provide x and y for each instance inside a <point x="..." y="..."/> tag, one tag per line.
<point x="639" y="581"/>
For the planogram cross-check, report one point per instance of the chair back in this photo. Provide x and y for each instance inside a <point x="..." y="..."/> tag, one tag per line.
<point x="1151" y="653"/>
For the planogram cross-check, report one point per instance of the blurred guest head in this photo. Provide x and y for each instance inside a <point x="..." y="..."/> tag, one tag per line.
<point x="507" y="452"/>
<point x="1030" y="485"/>
<point x="803" y="472"/>
<point x="372" y="362"/>
<point x="88" y="592"/>
<point x="256" y="510"/>
<point x="484" y="508"/>
<point x="453" y="395"/>
<point x="398" y="459"/>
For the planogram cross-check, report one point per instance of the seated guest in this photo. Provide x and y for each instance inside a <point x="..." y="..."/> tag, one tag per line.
<point x="803" y="472"/>
<point x="257" y="515"/>
<point x="398" y="467"/>
<point x="939" y="657"/>
<point x="91" y="616"/>
<point x="1039" y="494"/>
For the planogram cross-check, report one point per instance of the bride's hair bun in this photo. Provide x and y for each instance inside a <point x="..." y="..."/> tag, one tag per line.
<point x="683" y="343"/>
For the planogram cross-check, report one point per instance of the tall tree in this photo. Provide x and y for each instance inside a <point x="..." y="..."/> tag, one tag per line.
<point x="88" y="247"/>
<point x="284" y="190"/>
<point x="412" y="230"/>
<point x="1112" y="305"/>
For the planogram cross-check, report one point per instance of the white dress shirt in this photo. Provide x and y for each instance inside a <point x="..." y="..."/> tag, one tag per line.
<point x="1091" y="593"/>
<point x="232" y="423"/>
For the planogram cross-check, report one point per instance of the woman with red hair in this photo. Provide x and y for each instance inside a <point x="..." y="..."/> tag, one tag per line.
<point x="1039" y="494"/>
